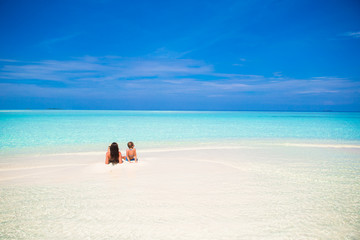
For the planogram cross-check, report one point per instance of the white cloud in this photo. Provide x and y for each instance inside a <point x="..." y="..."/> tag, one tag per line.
<point x="353" y="34"/>
<point x="234" y="86"/>
<point x="58" y="39"/>
<point x="277" y="74"/>
<point x="104" y="75"/>
<point x="103" y="69"/>
<point x="7" y="60"/>
<point x="317" y="91"/>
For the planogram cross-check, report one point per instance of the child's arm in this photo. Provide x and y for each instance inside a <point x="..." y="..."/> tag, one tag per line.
<point x="135" y="156"/>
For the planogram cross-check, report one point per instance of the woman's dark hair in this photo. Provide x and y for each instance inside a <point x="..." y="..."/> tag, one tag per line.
<point x="114" y="153"/>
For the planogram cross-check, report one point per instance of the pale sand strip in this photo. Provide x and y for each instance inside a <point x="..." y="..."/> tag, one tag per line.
<point x="83" y="159"/>
<point x="234" y="146"/>
<point x="318" y="145"/>
<point x="39" y="167"/>
<point x="208" y="154"/>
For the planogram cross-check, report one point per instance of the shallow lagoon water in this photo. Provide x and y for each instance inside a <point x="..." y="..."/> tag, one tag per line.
<point x="70" y="130"/>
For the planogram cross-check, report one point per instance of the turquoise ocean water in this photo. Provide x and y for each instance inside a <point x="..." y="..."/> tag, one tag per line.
<point x="65" y="130"/>
<point x="260" y="187"/>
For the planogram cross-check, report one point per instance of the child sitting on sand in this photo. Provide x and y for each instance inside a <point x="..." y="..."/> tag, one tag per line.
<point x="131" y="153"/>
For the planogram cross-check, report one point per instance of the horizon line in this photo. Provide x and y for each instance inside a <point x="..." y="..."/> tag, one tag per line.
<point x="175" y="110"/>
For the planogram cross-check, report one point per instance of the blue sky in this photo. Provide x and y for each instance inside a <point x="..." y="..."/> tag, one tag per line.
<point x="180" y="55"/>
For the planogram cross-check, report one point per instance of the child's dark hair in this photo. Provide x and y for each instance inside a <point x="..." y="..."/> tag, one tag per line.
<point x="130" y="144"/>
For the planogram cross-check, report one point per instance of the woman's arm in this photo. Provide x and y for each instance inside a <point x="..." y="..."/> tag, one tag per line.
<point x="107" y="157"/>
<point x="120" y="158"/>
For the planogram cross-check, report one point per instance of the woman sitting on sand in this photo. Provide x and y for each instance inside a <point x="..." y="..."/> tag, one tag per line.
<point x="113" y="154"/>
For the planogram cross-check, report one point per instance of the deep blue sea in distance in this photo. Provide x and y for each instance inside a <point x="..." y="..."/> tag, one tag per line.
<point x="38" y="129"/>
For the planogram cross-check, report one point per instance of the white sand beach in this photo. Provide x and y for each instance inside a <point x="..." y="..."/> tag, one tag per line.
<point x="247" y="191"/>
